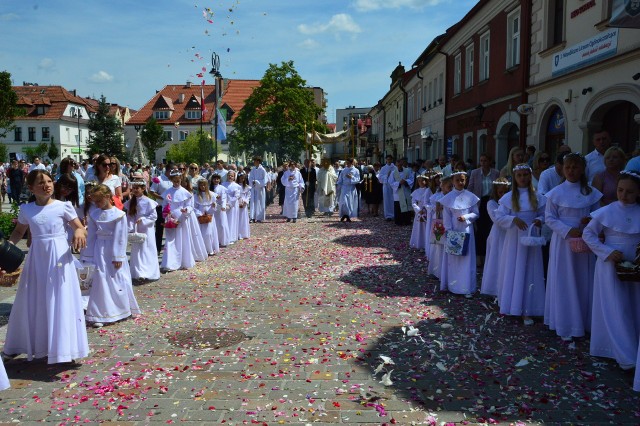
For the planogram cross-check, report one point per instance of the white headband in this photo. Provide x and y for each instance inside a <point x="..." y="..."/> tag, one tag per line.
<point x="630" y="173"/>
<point x="497" y="182"/>
<point x="459" y="172"/>
<point x="522" y="166"/>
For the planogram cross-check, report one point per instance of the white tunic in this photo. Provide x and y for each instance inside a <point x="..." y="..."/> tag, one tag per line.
<point x="521" y="276"/>
<point x="326" y="189"/>
<point x="220" y="215"/>
<point x="387" y="191"/>
<point x="233" y="210"/>
<point x="209" y="231"/>
<point x="460" y="276"/>
<point x="348" y="201"/>
<point x="244" y="230"/>
<point x="4" y="379"/>
<point x="46" y="318"/>
<point x="111" y="296"/>
<point x="615" y="323"/>
<point x="569" y="291"/>
<point x="144" y="257"/>
<point x="258" y="180"/>
<point x="436" y="250"/>
<point x="493" y="258"/>
<point x="294" y="184"/>
<point x="419" y="201"/>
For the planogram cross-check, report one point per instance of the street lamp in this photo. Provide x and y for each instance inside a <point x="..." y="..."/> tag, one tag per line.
<point x="215" y="73"/>
<point x="78" y="114"/>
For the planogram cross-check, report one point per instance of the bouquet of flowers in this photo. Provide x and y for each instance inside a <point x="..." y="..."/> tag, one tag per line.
<point x="169" y="221"/>
<point x="437" y="230"/>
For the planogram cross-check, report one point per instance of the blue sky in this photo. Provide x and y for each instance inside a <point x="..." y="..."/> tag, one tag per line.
<point x="127" y="50"/>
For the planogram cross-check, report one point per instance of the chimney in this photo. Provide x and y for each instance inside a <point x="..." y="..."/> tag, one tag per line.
<point x="181" y="98"/>
<point x="188" y="84"/>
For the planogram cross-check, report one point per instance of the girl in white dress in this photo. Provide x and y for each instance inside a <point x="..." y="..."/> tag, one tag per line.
<point x="244" y="230"/>
<point x="233" y="209"/>
<point x="495" y="241"/>
<point x="111" y="296"/>
<point x="141" y="218"/>
<point x="197" y="242"/>
<point x="569" y="292"/>
<point x="460" y="208"/>
<point x="433" y="183"/>
<point x="419" y="200"/>
<point x="204" y="203"/>
<point x="436" y="248"/>
<point x="66" y="189"/>
<point x="521" y="276"/>
<point x="293" y="185"/>
<point x="47" y="319"/>
<point x="615" y="324"/>
<point x="220" y="212"/>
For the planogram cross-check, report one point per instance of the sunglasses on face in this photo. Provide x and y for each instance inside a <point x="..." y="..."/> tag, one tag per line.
<point x="106" y="164"/>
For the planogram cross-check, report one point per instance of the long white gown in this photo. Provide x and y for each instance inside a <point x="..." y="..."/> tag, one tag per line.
<point x="209" y="231"/>
<point x="436" y="250"/>
<point x="258" y="180"/>
<point x="615" y="322"/>
<point x="292" y="190"/>
<point x="460" y="276"/>
<point x="233" y="210"/>
<point x="387" y="190"/>
<point x="348" y="201"/>
<point x="419" y="201"/>
<point x="244" y="230"/>
<point x="111" y="296"/>
<point x="493" y="259"/>
<point x="143" y="261"/>
<point x="47" y="318"/>
<point x="521" y="276"/>
<point x="569" y="293"/>
<point x="326" y="189"/>
<point x="183" y="245"/>
<point x="4" y="379"/>
<point x="220" y="215"/>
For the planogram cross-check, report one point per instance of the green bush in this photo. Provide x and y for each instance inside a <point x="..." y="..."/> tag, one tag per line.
<point x="8" y="220"/>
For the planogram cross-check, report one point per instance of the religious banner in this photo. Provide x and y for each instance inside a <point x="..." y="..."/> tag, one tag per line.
<point x="625" y="14"/>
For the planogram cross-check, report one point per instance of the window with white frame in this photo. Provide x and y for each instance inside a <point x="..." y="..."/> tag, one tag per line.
<point x="161" y="115"/>
<point x="168" y="135"/>
<point x="17" y="134"/>
<point x="440" y="88"/>
<point x="183" y="134"/>
<point x="513" y="39"/>
<point x="484" y="56"/>
<point x="45" y="134"/>
<point x="430" y="94"/>
<point x="32" y="134"/>
<point x="457" y="74"/>
<point x="410" y="109"/>
<point x="420" y="105"/>
<point x="193" y="114"/>
<point x="468" y="67"/>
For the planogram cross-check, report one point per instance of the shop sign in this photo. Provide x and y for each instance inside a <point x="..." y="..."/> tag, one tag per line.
<point x="586" y="53"/>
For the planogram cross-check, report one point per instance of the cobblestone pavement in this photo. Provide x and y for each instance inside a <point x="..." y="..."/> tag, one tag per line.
<point x="309" y="311"/>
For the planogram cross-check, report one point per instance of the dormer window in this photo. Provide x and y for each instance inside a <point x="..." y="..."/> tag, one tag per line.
<point x="193" y="115"/>
<point x="161" y="115"/>
<point x="41" y="110"/>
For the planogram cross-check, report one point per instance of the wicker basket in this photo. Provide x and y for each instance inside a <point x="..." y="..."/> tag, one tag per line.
<point x="204" y="219"/>
<point x="628" y="274"/>
<point x="10" y="279"/>
<point x="578" y="245"/>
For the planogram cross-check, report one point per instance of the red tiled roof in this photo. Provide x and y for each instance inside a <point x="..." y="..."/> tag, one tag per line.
<point x="55" y="98"/>
<point x="235" y="94"/>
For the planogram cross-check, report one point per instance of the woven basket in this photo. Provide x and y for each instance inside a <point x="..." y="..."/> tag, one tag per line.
<point x="578" y="245"/>
<point x="204" y="219"/>
<point x="10" y="279"/>
<point x="628" y="274"/>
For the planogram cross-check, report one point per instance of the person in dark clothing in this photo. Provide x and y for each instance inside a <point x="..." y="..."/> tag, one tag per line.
<point x="308" y="173"/>
<point x="281" y="188"/>
<point x="372" y="189"/>
<point x="16" y="180"/>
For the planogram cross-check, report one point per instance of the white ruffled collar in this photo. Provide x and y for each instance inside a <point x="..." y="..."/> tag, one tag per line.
<point x="459" y="199"/>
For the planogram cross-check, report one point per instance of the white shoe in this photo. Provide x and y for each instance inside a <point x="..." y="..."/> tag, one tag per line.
<point x="468" y="296"/>
<point x="97" y="325"/>
<point x="528" y="322"/>
<point x="566" y="338"/>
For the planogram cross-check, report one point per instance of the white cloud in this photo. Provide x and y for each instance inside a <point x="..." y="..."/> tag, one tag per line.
<point x="101" y="77"/>
<point x="309" y="44"/>
<point x="340" y="23"/>
<point x="366" y="5"/>
<point x="8" y="17"/>
<point x="46" y="64"/>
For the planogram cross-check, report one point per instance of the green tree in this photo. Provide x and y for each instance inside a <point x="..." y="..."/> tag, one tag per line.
<point x="9" y="109"/>
<point x="152" y="137"/>
<point x="274" y="116"/>
<point x="36" y="151"/>
<point x="53" y="151"/>
<point x="105" y="132"/>
<point x="191" y="149"/>
<point x="4" y="153"/>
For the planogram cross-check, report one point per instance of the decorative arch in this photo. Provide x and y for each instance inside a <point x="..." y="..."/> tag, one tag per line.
<point x="616" y="93"/>
<point x="507" y="124"/>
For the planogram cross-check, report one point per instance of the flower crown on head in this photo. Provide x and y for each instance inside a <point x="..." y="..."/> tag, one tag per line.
<point x="630" y="173"/>
<point x="521" y="166"/>
<point x="459" y="172"/>
<point x="499" y="182"/>
<point x="175" y="173"/>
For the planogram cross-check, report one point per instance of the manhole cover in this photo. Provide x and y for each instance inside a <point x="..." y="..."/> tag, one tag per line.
<point x="206" y="338"/>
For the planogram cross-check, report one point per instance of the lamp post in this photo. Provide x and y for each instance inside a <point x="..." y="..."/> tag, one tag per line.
<point x="215" y="73"/>
<point x="78" y="115"/>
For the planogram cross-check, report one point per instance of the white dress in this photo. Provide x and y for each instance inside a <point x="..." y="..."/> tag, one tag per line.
<point x="419" y="199"/>
<point x="244" y="230"/>
<point x="47" y="318"/>
<point x="460" y="275"/>
<point x="257" y="180"/>
<point x="615" y="322"/>
<point x="220" y="215"/>
<point x="521" y="276"/>
<point x="233" y="210"/>
<point x="387" y="190"/>
<point x="111" y="296"/>
<point x="144" y="257"/>
<point x="4" y="379"/>
<point x="209" y="230"/>
<point x="569" y="293"/>
<point x="436" y="250"/>
<point x="348" y="201"/>
<point x="292" y="190"/>
<point x="183" y="245"/>
<point x="493" y="258"/>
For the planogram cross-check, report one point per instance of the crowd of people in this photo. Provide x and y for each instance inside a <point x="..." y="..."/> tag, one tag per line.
<point x="547" y="238"/>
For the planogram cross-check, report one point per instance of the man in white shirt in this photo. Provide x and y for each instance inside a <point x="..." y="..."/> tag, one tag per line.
<point x="258" y="180"/>
<point x="553" y="176"/>
<point x="37" y="165"/>
<point x="156" y="190"/>
<point x="595" y="159"/>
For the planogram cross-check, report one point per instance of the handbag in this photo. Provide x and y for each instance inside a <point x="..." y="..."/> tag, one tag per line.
<point x="531" y="240"/>
<point x="437" y="232"/>
<point x="204" y="219"/>
<point x="456" y="243"/>
<point x="11" y="257"/>
<point x="85" y="275"/>
<point x="578" y="245"/>
<point x="136" y="237"/>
